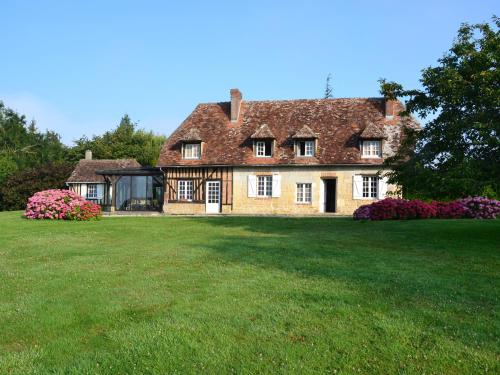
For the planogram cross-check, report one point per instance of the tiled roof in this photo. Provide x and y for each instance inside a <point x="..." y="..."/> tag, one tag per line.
<point x="337" y="123"/>
<point x="85" y="169"/>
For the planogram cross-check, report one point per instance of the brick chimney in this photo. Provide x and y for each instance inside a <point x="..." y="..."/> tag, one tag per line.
<point x="88" y="155"/>
<point x="389" y="108"/>
<point x="235" y="104"/>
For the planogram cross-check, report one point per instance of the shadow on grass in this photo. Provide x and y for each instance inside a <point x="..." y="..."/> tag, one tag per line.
<point x="441" y="272"/>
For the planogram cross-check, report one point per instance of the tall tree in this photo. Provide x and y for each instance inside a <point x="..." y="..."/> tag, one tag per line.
<point x="126" y="141"/>
<point x="23" y="146"/>
<point x="457" y="153"/>
<point x="328" y="87"/>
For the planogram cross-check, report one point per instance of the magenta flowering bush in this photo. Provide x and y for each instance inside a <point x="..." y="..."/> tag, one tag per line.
<point x="392" y="209"/>
<point x="58" y="204"/>
<point x="402" y="209"/>
<point x="449" y="210"/>
<point x="363" y="212"/>
<point x="480" y="208"/>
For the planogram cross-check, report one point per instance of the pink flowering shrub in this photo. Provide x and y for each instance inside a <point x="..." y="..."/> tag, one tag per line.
<point x="402" y="209"/>
<point x="480" y="208"/>
<point x="60" y="205"/>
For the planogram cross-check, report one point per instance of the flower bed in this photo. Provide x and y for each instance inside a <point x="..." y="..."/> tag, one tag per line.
<point x="61" y="205"/>
<point x="402" y="209"/>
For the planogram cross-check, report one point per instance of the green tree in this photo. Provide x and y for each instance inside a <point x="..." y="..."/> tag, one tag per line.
<point x="126" y="141"/>
<point x="457" y="153"/>
<point x="21" y="142"/>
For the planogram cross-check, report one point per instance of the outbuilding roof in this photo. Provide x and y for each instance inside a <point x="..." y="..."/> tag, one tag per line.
<point x="85" y="170"/>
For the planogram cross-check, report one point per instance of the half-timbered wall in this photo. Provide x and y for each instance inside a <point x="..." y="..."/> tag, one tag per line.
<point x="199" y="177"/>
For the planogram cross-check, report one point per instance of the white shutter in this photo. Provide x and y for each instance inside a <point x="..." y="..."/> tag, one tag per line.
<point x="357" y="186"/>
<point x="83" y="190"/>
<point x="252" y="186"/>
<point x="100" y="191"/>
<point x="276" y="185"/>
<point x="382" y="187"/>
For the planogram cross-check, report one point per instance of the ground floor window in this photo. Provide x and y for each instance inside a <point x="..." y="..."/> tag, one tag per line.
<point x="370" y="184"/>
<point x="304" y="193"/>
<point x="264" y="186"/>
<point x="91" y="191"/>
<point x="185" y="191"/>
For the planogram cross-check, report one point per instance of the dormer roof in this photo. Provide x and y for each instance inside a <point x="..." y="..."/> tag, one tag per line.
<point x="263" y="132"/>
<point x="305" y="132"/>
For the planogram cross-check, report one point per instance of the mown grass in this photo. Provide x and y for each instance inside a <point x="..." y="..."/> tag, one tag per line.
<point x="249" y="295"/>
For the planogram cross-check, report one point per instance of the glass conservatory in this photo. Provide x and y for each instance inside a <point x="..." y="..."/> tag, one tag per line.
<point x="135" y="189"/>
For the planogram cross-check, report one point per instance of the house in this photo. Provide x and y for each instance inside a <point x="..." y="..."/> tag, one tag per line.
<point x="299" y="157"/>
<point x="281" y="156"/>
<point x="94" y="187"/>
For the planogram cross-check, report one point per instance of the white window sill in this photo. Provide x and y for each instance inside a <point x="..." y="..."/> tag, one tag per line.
<point x="371" y="157"/>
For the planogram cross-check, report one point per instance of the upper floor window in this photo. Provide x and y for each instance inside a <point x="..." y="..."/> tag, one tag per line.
<point x="371" y="149"/>
<point x="91" y="191"/>
<point x="192" y="150"/>
<point x="305" y="148"/>
<point x="264" y="149"/>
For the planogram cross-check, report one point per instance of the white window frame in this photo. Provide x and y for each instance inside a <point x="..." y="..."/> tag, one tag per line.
<point x="185" y="190"/>
<point x="302" y="196"/>
<point x="370" y="187"/>
<point x="371" y="149"/>
<point x="309" y="148"/>
<point x="91" y="191"/>
<point x="265" y="186"/>
<point x="260" y="149"/>
<point x="191" y="151"/>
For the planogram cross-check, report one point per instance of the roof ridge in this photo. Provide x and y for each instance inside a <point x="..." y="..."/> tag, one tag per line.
<point x="299" y="100"/>
<point x="121" y="159"/>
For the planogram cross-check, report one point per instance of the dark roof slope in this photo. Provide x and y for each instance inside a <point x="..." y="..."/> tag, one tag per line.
<point x="85" y="169"/>
<point x="337" y="123"/>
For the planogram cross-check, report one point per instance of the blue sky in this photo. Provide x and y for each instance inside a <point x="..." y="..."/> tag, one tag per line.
<point x="77" y="67"/>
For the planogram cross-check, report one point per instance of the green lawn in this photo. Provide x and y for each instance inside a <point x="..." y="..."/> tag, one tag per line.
<point x="249" y="295"/>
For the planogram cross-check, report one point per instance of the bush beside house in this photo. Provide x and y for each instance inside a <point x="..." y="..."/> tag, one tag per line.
<point x="61" y="205"/>
<point x="403" y="209"/>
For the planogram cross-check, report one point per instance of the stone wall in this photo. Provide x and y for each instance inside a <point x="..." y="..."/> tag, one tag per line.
<point x="187" y="208"/>
<point x="290" y="176"/>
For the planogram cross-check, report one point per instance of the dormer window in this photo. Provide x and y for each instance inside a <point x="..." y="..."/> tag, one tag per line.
<point x="305" y="148"/>
<point x="371" y="149"/>
<point x="264" y="148"/>
<point x="191" y="150"/>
